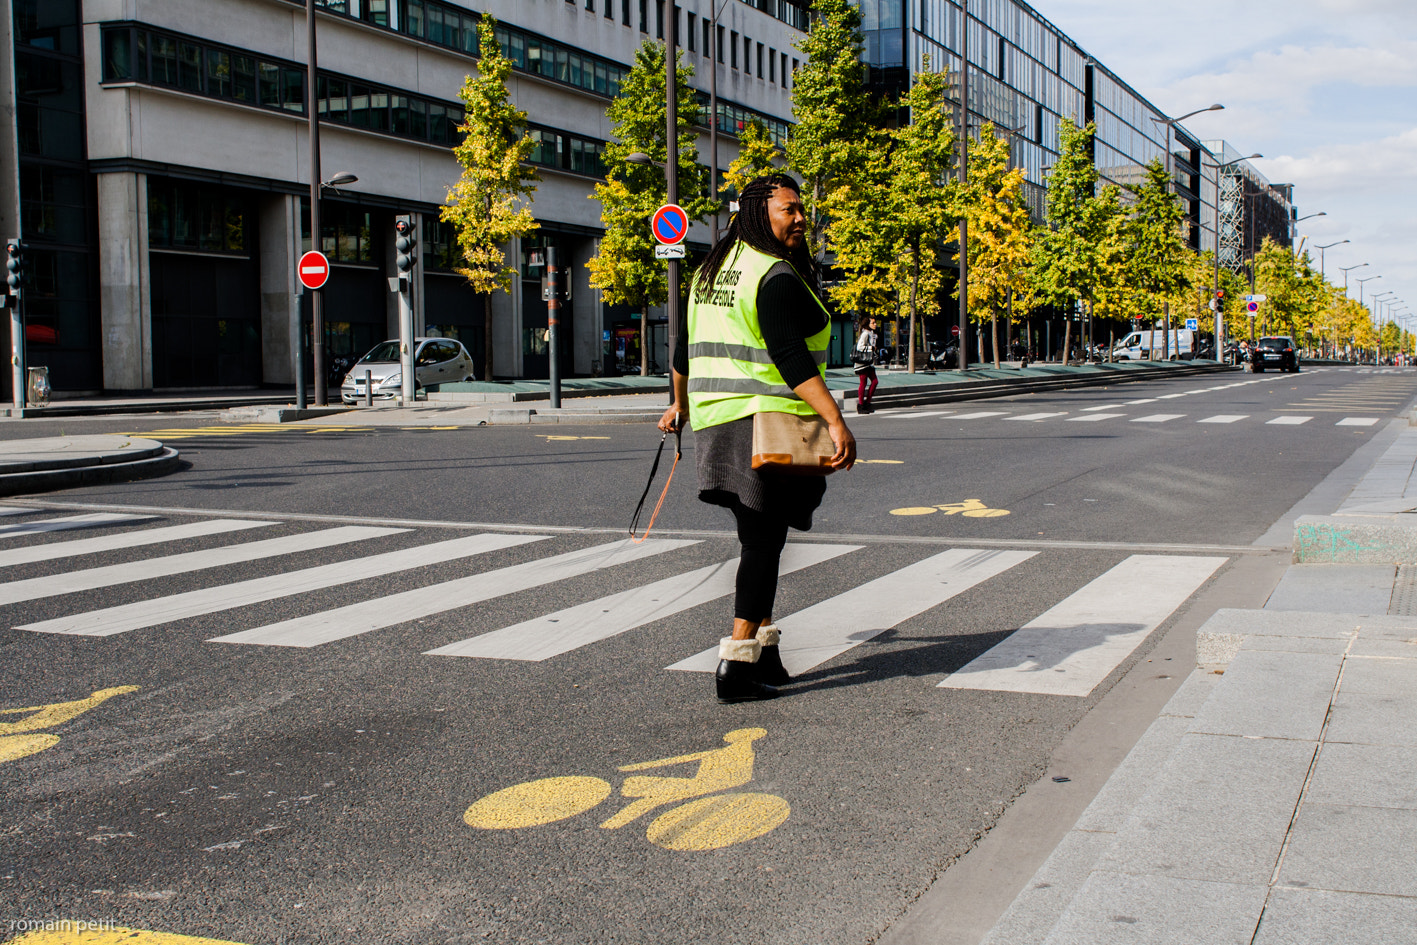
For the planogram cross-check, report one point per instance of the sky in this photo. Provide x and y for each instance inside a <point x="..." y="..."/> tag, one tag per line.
<point x="1326" y="90"/>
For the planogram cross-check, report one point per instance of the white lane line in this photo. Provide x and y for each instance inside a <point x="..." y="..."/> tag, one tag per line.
<point x="67" y="522"/>
<point x="131" y="571"/>
<point x="1072" y="647"/>
<point x="381" y="612"/>
<point x="211" y="600"/>
<point x="8" y="510"/>
<point x="917" y="416"/>
<point x="1103" y="407"/>
<point x="544" y="637"/>
<point x="979" y="415"/>
<point x="1356" y="422"/>
<point x="1039" y="416"/>
<point x="1287" y="421"/>
<point x="1159" y="418"/>
<point x="1095" y="416"/>
<point x="148" y="536"/>
<point x="1185" y="393"/>
<point x="811" y="637"/>
<point x="1148" y="400"/>
<point x="1224" y="418"/>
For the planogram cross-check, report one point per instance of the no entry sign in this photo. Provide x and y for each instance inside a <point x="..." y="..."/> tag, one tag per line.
<point x="671" y="224"/>
<point x="314" y="270"/>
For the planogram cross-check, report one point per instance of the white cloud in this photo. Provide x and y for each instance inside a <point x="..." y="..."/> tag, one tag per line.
<point x="1362" y="167"/>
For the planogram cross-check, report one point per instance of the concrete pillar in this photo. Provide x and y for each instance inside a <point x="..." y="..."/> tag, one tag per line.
<point x="586" y="345"/>
<point x="125" y="291"/>
<point x="507" y="320"/>
<point x="278" y="218"/>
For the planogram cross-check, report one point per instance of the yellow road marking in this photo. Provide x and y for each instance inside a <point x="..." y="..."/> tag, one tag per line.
<point x="883" y="462"/>
<point x="536" y="802"/>
<point x="17" y="739"/>
<point x="548" y="437"/>
<point x="916" y="510"/>
<point x="969" y="508"/>
<point x="719" y="821"/>
<point x="78" y="932"/>
<point x="410" y="429"/>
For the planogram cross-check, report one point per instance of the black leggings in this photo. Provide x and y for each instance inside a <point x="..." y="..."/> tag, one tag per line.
<point x="762" y="535"/>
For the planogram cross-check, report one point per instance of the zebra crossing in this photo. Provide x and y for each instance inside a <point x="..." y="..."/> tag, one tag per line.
<point x="1067" y="650"/>
<point x="948" y="416"/>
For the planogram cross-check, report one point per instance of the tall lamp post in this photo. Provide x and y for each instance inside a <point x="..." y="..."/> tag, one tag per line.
<point x="1360" y="286"/>
<point x="1170" y="124"/>
<point x="1344" y="270"/>
<point x="1322" y="273"/>
<point x="317" y="314"/>
<point x="962" y="348"/>
<point x="1219" y="314"/>
<point x="1294" y="227"/>
<point x="713" y="54"/>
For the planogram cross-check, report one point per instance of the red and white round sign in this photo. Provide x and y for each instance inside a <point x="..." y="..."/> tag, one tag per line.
<point x="314" y="270"/>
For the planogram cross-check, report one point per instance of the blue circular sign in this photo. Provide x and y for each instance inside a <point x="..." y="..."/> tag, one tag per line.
<point x="670" y="224"/>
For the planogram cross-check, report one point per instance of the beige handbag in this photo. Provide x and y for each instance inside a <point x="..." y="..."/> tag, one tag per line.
<point x="789" y="443"/>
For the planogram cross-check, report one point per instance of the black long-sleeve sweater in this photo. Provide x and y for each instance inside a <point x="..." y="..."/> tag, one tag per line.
<point x="787" y="315"/>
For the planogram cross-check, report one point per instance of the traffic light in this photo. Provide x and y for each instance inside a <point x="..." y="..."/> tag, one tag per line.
<point x="1217" y="304"/>
<point x="15" y="262"/>
<point x="407" y="246"/>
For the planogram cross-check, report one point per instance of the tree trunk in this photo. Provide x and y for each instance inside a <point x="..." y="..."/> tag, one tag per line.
<point x="1067" y="337"/>
<point x="994" y="333"/>
<point x="487" y="337"/>
<point x="1166" y="338"/>
<point x="914" y="282"/>
<point x="644" y="341"/>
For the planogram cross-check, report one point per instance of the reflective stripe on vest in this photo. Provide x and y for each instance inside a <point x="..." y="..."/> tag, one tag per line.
<point x="731" y="374"/>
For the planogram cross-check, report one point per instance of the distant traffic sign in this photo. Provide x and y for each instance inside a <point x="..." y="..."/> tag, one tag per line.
<point x="1256" y="298"/>
<point x="670" y="224"/>
<point x="1252" y="306"/>
<point x="314" y="270"/>
<point x="669" y="252"/>
<point x="1192" y="324"/>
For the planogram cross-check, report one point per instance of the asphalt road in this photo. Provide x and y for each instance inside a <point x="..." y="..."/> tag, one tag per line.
<point x="318" y="777"/>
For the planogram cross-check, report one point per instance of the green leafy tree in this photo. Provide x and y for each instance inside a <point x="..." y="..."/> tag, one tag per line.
<point x="489" y="205"/>
<point x="625" y="270"/>
<point x="889" y="217"/>
<point x="756" y="155"/>
<point x="1156" y="245"/>
<point x="834" y="114"/>
<point x="1078" y="255"/>
<point x="999" y="232"/>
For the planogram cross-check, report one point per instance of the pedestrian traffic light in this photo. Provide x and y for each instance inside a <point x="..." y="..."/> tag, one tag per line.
<point x="406" y="244"/>
<point x="15" y="262"/>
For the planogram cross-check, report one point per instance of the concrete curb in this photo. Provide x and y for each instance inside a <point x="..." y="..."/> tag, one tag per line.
<point x="1369" y="539"/>
<point x="166" y="460"/>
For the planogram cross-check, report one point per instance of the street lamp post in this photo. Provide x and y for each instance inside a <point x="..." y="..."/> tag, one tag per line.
<point x="713" y="108"/>
<point x="963" y="345"/>
<point x="1322" y="271"/>
<point x="1170" y="124"/>
<point x="1220" y="315"/>
<point x="1360" y="286"/>
<point x="1344" y="270"/>
<point x="317" y="314"/>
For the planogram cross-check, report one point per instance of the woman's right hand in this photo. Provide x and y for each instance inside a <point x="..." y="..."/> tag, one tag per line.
<point x="845" y="443"/>
<point x="673" y="419"/>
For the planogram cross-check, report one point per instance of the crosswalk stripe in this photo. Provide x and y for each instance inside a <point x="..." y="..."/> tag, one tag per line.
<point x="210" y="600"/>
<point x="1287" y="421"/>
<point x="566" y="630"/>
<point x="917" y="416"/>
<point x="1356" y="422"/>
<point x="827" y="629"/>
<point x="68" y="522"/>
<point x="978" y="415"/>
<point x="1145" y="400"/>
<point x="1159" y="418"/>
<point x="381" y="612"/>
<point x="1103" y="407"/>
<point x="1039" y="416"/>
<point x="1224" y="418"/>
<point x="1072" y="647"/>
<point x="8" y="510"/>
<point x="135" y="539"/>
<point x="1095" y="416"/>
<point x="126" y="573"/>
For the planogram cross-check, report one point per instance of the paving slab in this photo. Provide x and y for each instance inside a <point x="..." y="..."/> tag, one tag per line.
<point x="1322" y="916"/>
<point x="1116" y="909"/>
<point x="1353" y="849"/>
<point x="1034" y="913"/>
<point x="1272" y="695"/>
<point x="1384" y="677"/>
<point x="1365" y="775"/>
<point x="1335" y="588"/>
<point x="1363" y="719"/>
<point x="1217" y="811"/>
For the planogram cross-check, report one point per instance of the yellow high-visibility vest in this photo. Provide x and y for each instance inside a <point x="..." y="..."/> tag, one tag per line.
<point x="731" y="374"/>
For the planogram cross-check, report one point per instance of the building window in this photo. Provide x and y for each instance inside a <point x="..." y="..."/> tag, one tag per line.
<point x="708" y="38"/>
<point x="760" y="60"/>
<point x="691" y="31"/>
<point x="772" y="65"/>
<point x="733" y="50"/>
<point x="659" y="19"/>
<point x="719" y="47"/>
<point x="189" y="216"/>
<point x="784" y="70"/>
<point x="644" y="17"/>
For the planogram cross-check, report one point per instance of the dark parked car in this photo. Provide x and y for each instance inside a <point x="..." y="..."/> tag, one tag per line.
<point x="1275" y="351"/>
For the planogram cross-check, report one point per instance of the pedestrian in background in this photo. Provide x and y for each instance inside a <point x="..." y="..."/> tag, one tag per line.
<point x="757" y="342"/>
<point x="863" y="356"/>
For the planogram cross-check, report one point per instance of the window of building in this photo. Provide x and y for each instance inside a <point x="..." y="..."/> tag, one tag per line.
<point x="747" y="56"/>
<point x="644" y="16"/>
<point x="659" y="19"/>
<point x="733" y="50"/>
<point x="760" y="60"/>
<point x="784" y="70"/>
<point x="772" y="65"/>
<point x="195" y="217"/>
<point x="691" y="32"/>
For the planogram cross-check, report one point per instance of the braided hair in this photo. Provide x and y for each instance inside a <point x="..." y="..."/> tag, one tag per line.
<point x="752" y="226"/>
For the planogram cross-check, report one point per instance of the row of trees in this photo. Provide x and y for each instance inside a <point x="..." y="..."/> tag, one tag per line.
<point x="884" y="196"/>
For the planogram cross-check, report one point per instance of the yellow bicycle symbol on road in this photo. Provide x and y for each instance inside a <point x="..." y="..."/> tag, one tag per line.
<point x="708" y="823"/>
<point x="23" y="738"/>
<point x="969" y="508"/>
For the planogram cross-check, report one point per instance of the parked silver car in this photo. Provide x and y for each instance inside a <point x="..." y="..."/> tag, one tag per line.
<point x="436" y="361"/>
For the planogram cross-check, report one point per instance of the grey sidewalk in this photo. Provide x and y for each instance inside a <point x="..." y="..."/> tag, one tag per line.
<point x="1275" y="798"/>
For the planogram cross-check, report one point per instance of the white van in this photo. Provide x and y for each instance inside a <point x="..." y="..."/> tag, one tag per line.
<point x="1139" y="345"/>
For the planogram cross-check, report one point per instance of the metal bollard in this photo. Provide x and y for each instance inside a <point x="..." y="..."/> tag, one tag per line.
<point x="368" y="388"/>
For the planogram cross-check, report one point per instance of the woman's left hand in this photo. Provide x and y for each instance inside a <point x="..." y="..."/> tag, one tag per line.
<point x="845" y="455"/>
<point x="673" y="419"/>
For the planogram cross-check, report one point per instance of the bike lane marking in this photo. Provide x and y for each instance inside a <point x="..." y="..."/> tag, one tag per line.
<point x="81" y="932"/>
<point x="355" y="619"/>
<point x="544" y="637"/>
<point x="827" y="629"/>
<point x="1072" y="647"/>
<point x="26" y="737"/>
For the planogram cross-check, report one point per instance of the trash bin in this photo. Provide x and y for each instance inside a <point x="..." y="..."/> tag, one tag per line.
<point x="38" y="387"/>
